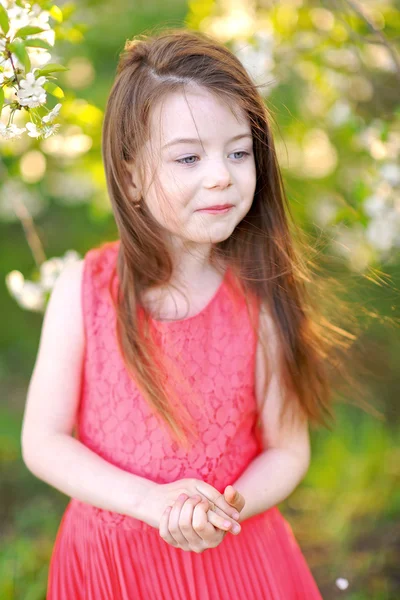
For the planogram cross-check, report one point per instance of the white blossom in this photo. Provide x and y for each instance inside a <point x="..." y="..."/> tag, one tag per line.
<point x="28" y="294"/>
<point x="5" y="64"/>
<point x="30" y="90"/>
<point x="27" y="15"/>
<point x="36" y="11"/>
<point x="36" y="131"/>
<point x="71" y="256"/>
<point x="32" y="295"/>
<point x="31" y="93"/>
<point x="49" y="272"/>
<point x="33" y="131"/>
<point x="52" y="114"/>
<point x="48" y="130"/>
<point x="52" y="268"/>
<point x="15" y="282"/>
<point x="10" y="131"/>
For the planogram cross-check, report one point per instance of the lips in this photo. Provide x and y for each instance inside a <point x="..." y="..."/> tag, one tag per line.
<point x="218" y="207"/>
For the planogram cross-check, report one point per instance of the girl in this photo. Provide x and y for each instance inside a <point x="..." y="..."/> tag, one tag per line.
<point x="191" y="421"/>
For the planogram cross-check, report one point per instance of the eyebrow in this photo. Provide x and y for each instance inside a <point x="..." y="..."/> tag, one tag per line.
<point x="197" y="141"/>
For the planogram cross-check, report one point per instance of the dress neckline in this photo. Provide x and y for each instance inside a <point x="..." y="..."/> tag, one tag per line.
<point x="204" y="310"/>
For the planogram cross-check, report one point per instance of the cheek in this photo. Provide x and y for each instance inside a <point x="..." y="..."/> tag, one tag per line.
<point x="169" y="210"/>
<point x="167" y="195"/>
<point x="249" y="185"/>
<point x="179" y="188"/>
<point x="251" y="174"/>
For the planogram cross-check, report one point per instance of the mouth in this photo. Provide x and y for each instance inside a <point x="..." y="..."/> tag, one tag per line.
<point x="217" y="209"/>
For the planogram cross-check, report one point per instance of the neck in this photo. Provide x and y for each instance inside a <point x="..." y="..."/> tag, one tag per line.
<point x="191" y="265"/>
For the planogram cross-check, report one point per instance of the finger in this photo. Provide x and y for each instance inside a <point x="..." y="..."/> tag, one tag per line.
<point x="219" y="520"/>
<point x="212" y="536"/>
<point x="223" y="523"/>
<point x="213" y="495"/>
<point x="163" y="528"/>
<point x="173" y="524"/>
<point x="200" y="521"/>
<point x="223" y="513"/>
<point x="186" y="524"/>
<point x="234" y="498"/>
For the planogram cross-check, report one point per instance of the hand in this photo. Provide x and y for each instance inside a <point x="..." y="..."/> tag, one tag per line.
<point x="161" y="495"/>
<point x="235" y="499"/>
<point x="187" y="525"/>
<point x="190" y="524"/>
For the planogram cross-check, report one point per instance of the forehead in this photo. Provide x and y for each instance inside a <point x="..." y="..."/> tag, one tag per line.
<point x="196" y="113"/>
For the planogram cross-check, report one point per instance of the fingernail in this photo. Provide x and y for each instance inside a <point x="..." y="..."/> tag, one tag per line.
<point x="236" y="528"/>
<point x="182" y="497"/>
<point x="236" y="515"/>
<point x="227" y="523"/>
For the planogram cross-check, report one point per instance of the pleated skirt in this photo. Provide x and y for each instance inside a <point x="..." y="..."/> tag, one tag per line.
<point x="92" y="560"/>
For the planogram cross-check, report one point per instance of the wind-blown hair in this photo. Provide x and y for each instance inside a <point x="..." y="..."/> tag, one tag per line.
<point x="260" y="251"/>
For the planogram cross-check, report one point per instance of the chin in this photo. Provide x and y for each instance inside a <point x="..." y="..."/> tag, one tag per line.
<point x="214" y="237"/>
<point x="211" y="233"/>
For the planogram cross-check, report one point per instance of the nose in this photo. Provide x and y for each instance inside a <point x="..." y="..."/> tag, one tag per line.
<point x="219" y="176"/>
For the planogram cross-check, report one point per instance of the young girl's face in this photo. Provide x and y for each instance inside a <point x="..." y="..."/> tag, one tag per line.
<point x="213" y="168"/>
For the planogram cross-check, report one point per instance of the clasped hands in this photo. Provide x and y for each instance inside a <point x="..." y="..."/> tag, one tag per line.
<point x="200" y="516"/>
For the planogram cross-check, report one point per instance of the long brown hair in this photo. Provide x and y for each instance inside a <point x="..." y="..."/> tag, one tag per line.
<point x="261" y="250"/>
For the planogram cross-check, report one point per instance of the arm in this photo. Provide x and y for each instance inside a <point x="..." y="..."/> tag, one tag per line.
<point x="270" y="478"/>
<point x="275" y="473"/>
<point x="48" y="448"/>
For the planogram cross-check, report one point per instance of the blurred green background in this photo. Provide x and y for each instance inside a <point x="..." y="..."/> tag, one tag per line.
<point x="331" y="74"/>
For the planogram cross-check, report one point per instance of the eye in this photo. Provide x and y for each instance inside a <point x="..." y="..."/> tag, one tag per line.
<point x="241" y="152"/>
<point x="182" y="161"/>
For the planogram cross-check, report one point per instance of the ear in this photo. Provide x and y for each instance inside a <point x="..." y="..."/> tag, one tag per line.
<point x="132" y="180"/>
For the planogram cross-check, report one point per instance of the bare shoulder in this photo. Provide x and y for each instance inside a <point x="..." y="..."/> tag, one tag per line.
<point x="70" y="280"/>
<point x="64" y="306"/>
<point x="54" y="387"/>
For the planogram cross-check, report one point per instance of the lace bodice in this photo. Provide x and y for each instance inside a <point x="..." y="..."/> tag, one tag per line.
<point x="215" y="350"/>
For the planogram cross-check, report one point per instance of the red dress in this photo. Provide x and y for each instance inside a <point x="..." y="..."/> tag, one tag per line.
<point x="101" y="555"/>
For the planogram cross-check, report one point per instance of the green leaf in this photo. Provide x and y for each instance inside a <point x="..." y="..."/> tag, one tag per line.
<point x="56" y="13"/>
<point x="4" y="22"/>
<point x="53" y="89"/>
<point x="36" y="43"/>
<point x="1" y="98"/>
<point x="68" y="9"/>
<point x="20" y="52"/>
<point x="51" y="68"/>
<point x="27" y="30"/>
